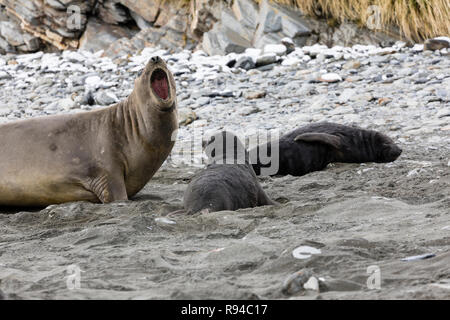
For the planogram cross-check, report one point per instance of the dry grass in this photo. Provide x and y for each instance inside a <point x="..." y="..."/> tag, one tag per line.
<point x="416" y="19"/>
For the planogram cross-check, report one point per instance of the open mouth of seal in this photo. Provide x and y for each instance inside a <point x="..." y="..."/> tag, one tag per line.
<point x="160" y="84"/>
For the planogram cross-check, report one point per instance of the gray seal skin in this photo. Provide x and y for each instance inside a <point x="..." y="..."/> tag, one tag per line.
<point x="99" y="156"/>
<point x="313" y="147"/>
<point x="223" y="185"/>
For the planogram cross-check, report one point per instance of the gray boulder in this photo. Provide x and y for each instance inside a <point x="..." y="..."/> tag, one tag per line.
<point x="227" y="36"/>
<point x="148" y="9"/>
<point x="245" y="63"/>
<point x="276" y="22"/>
<point x="246" y="25"/>
<point x="98" y="36"/>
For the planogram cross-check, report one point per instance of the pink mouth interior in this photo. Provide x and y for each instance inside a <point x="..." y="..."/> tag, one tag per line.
<point x="160" y="84"/>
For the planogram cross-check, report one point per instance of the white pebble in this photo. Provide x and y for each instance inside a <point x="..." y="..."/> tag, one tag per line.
<point x="305" y="252"/>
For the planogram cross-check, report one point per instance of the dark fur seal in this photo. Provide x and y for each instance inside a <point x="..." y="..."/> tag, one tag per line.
<point x="99" y="156"/>
<point x="228" y="182"/>
<point x="313" y="147"/>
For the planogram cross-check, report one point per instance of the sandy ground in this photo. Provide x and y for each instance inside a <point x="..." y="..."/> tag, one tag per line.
<point x="357" y="215"/>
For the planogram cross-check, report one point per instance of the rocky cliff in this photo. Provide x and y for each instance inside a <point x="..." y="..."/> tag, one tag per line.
<point x="123" y="26"/>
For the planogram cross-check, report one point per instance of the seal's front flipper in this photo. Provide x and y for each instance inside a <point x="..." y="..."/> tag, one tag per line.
<point x="264" y="200"/>
<point x="325" y="138"/>
<point x="109" y="189"/>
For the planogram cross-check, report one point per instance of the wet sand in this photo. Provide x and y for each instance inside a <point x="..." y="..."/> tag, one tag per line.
<point x="357" y="215"/>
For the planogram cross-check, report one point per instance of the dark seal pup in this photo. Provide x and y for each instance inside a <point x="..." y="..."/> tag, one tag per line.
<point x="99" y="156"/>
<point x="228" y="182"/>
<point x="313" y="147"/>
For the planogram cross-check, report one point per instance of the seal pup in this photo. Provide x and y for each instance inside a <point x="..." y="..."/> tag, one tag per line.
<point x="313" y="147"/>
<point x="99" y="156"/>
<point x="228" y="182"/>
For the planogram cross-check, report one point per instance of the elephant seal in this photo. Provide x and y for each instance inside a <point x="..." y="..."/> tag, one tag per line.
<point x="228" y="182"/>
<point x="98" y="156"/>
<point x="313" y="147"/>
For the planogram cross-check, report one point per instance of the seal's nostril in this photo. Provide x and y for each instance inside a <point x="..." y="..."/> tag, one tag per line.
<point x="155" y="59"/>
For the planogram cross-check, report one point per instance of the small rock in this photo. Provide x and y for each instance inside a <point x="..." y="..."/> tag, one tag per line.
<point x="73" y="56"/>
<point x="305" y="252"/>
<point x="330" y="77"/>
<point x="436" y="43"/>
<point x="289" y="44"/>
<point x="231" y="63"/>
<point x="105" y="98"/>
<point x="186" y="116"/>
<point x="92" y="81"/>
<point x="85" y="99"/>
<point x="255" y="94"/>
<point x="245" y="111"/>
<point x="346" y="95"/>
<point x="266" y="67"/>
<point x="419" y="257"/>
<point x="295" y="282"/>
<point x="291" y="61"/>
<point x="352" y="64"/>
<point x="384" y="101"/>
<point x="4" y="75"/>
<point x="253" y="53"/>
<point x="253" y="72"/>
<point x="164" y="221"/>
<point x="5" y="111"/>
<point x="67" y="104"/>
<point x="312" y="284"/>
<point x="266" y="59"/>
<point x="203" y="101"/>
<point x="245" y="63"/>
<point x="278" y="49"/>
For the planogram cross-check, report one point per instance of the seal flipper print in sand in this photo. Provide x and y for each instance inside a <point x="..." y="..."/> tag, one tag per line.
<point x="313" y="147"/>
<point x="99" y="156"/>
<point x="228" y="183"/>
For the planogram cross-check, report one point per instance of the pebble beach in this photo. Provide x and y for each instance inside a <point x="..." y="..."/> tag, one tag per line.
<point x="350" y="216"/>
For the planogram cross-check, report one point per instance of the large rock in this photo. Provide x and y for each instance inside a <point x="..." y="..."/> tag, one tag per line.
<point x="113" y="12"/>
<point x="13" y="39"/>
<point x="245" y="25"/>
<point x="436" y="43"/>
<point x="99" y="36"/>
<point x="165" y="37"/>
<point x="223" y="40"/>
<point x="348" y="34"/>
<point x="276" y="22"/>
<point x="58" y="22"/>
<point x="204" y="14"/>
<point x="140" y="21"/>
<point x="148" y="9"/>
<point x="228" y="35"/>
<point x="246" y="12"/>
<point x="10" y="32"/>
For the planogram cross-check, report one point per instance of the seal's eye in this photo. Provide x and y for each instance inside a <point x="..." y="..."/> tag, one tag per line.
<point x="160" y="84"/>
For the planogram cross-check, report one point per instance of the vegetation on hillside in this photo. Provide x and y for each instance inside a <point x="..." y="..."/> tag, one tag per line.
<point x="416" y="19"/>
